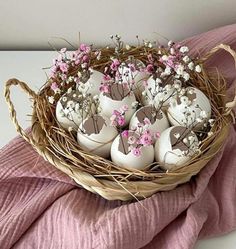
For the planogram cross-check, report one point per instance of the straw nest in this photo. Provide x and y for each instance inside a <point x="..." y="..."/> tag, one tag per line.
<point x="100" y="175"/>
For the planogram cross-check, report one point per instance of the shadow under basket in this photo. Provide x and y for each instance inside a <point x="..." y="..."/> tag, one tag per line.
<point x="101" y="176"/>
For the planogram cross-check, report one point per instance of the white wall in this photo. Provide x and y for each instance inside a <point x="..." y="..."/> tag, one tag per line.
<point x="28" y="24"/>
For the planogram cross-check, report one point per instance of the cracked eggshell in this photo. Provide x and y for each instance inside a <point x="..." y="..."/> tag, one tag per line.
<point x="166" y="95"/>
<point x="175" y="147"/>
<point x="94" y="82"/>
<point x="69" y="111"/>
<point x="193" y="102"/>
<point x="158" y="123"/>
<point x="100" y="143"/>
<point x="108" y="105"/>
<point x="129" y="160"/>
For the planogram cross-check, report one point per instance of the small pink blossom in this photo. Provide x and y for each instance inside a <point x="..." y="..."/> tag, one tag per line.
<point x="54" y="86"/>
<point x="124" y="108"/>
<point x="157" y="134"/>
<point x="121" y="121"/>
<point x="136" y="152"/>
<point x="146" y="139"/>
<point x="115" y="113"/>
<point x="146" y="121"/>
<point x="125" y="133"/>
<point x="64" y="67"/>
<point x="132" y="67"/>
<point x="115" y="64"/>
<point x="145" y="83"/>
<point x="104" y="88"/>
<point x="150" y="68"/>
<point x="106" y="77"/>
<point x="85" y="48"/>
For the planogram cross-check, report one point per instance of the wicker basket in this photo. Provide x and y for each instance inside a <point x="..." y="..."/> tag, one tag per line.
<point x="101" y="176"/>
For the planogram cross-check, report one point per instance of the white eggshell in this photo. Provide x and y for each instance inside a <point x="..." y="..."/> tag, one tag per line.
<point x="176" y="111"/>
<point x="94" y="82"/>
<point x="168" y="157"/>
<point x="130" y="160"/>
<point x="99" y="144"/>
<point x="137" y="76"/>
<point x="166" y="95"/>
<point x="158" y="126"/>
<point x="68" y="117"/>
<point x="108" y="105"/>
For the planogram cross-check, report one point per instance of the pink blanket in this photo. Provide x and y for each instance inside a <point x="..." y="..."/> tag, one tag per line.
<point x="42" y="208"/>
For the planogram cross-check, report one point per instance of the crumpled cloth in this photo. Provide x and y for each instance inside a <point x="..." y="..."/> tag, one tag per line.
<point x="40" y="207"/>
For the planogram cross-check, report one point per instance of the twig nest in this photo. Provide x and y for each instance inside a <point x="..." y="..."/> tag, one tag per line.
<point x="127" y="153"/>
<point x="156" y="120"/>
<point x="71" y="108"/>
<point x="117" y="97"/>
<point x="160" y="92"/>
<point x="175" y="147"/>
<point x="93" y="83"/>
<point x="96" y="135"/>
<point x="133" y="71"/>
<point x="191" y="109"/>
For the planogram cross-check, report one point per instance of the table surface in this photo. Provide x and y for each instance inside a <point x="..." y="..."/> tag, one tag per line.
<point x="27" y="66"/>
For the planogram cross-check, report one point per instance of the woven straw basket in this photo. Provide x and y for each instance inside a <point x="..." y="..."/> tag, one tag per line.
<point x="100" y="175"/>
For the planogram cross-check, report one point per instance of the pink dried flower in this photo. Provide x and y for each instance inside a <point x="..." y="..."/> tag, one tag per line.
<point x="54" y="86"/>
<point x="157" y="135"/>
<point x="115" y="64"/>
<point x="106" y="77"/>
<point x="132" y="67"/>
<point x="85" y="48"/>
<point x="146" y="139"/>
<point x="146" y="121"/>
<point x="104" y="88"/>
<point x="125" y="133"/>
<point x="121" y="121"/>
<point x="136" y="151"/>
<point x="124" y="108"/>
<point x="150" y="68"/>
<point x="64" y="67"/>
<point x="145" y="83"/>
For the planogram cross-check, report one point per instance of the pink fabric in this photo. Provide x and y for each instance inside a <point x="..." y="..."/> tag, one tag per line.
<point x="42" y="208"/>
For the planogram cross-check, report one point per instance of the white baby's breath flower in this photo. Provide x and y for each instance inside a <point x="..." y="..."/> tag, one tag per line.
<point x="134" y="104"/>
<point x="95" y="97"/>
<point x="172" y="51"/>
<point x="186" y="76"/>
<point x="70" y="129"/>
<point x="69" y="90"/>
<point x="51" y="99"/>
<point x="144" y="93"/>
<point x="64" y="99"/>
<point x="164" y="57"/>
<point x="167" y="71"/>
<point x="210" y="133"/>
<point x="186" y="59"/>
<point x="127" y="46"/>
<point x="203" y="114"/>
<point x="180" y="69"/>
<point x="170" y="43"/>
<point x="184" y="49"/>
<point x="198" y="69"/>
<point x="191" y="65"/>
<point x="79" y="74"/>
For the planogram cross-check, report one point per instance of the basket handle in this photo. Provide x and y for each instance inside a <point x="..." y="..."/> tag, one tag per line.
<point x="229" y="106"/>
<point x="11" y="107"/>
